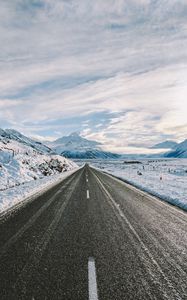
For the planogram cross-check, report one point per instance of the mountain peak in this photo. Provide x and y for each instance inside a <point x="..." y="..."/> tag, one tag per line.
<point x="75" y="133"/>
<point x="74" y="141"/>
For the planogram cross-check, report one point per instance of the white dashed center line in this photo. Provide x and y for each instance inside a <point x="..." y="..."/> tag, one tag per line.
<point x="88" y="194"/>
<point x="92" y="280"/>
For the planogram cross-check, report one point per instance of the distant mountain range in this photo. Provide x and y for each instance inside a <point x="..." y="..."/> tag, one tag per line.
<point x="90" y="154"/>
<point x="76" y="147"/>
<point x="165" y="145"/>
<point x="176" y="150"/>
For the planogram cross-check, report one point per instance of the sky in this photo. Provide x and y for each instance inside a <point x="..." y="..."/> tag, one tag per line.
<point x="114" y="70"/>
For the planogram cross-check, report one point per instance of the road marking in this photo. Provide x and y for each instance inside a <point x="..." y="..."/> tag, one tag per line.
<point x="92" y="280"/>
<point x="88" y="194"/>
<point x="86" y="179"/>
<point x="121" y="215"/>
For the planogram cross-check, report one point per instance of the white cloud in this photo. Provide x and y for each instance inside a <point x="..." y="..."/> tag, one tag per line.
<point x="125" y="55"/>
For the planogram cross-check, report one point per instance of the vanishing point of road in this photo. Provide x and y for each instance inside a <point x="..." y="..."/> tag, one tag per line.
<point x="93" y="237"/>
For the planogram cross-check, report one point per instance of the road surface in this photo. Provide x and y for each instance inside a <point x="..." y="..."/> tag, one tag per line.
<point x="93" y="237"/>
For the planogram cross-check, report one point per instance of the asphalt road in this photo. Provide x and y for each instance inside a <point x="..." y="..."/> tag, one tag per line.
<point x="93" y="237"/>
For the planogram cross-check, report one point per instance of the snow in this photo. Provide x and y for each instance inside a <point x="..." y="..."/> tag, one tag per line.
<point x="8" y="135"/>
<point x="27" y="166"/>
<point x="23" y="159"/>
<point x="164" y="178"/>
<point x="20" y="163"/>
<point x="28" y="190"/>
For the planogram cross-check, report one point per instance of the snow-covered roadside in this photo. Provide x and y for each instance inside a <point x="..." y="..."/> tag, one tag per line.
<point x="166" y="179"/>
<point x="23" y="159"/>
<point x="28" y="190"/>
<point x="27" y="166"/>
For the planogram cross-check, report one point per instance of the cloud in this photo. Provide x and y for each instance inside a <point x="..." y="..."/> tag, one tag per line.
<point x="61" y="59"/>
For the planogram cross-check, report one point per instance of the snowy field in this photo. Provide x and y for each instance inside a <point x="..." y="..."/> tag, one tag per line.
<point x="24" y="192"/>
<point x="166" y="178"/>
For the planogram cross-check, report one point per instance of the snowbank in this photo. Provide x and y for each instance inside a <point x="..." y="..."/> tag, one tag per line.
<point x="28" y="190"/>
<point x="26" y="167"/>
<point x="21" y="163"/>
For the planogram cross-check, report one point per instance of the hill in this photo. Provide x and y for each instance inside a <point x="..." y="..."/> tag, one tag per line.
<point x="179" y="152"/>
<point x="23" y="159"/>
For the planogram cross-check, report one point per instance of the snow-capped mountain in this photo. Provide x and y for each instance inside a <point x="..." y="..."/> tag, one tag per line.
<point x="74" y="142"/>
<point x="165" y="145"/>
<point x="23" y="159"/>
<point x="180" y="151"/>
<point x="172" y="149"/>
<point x="75" y="146"/>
